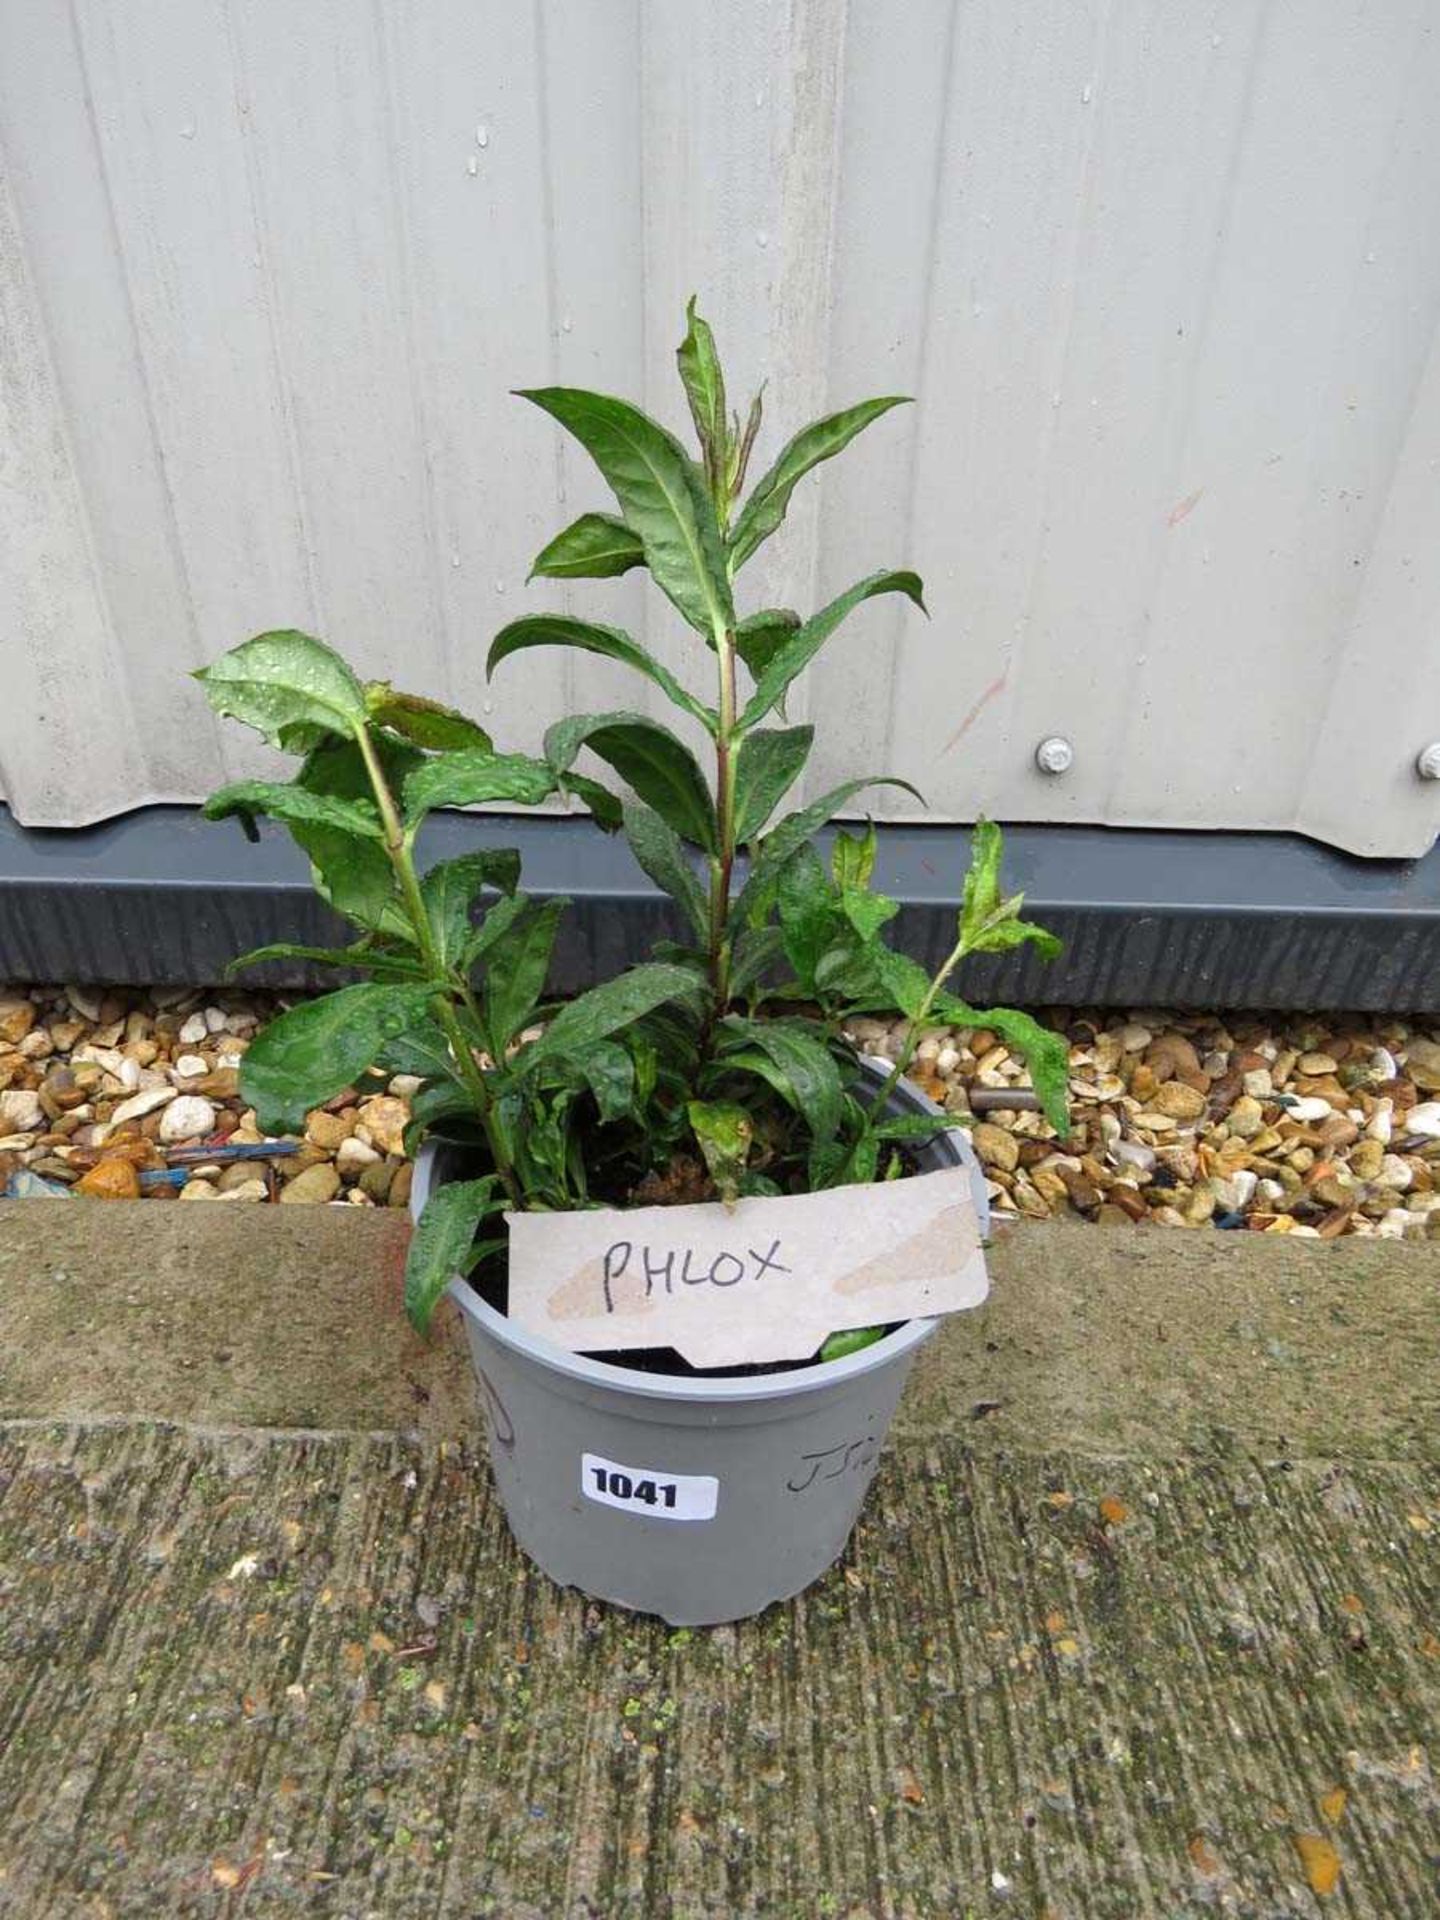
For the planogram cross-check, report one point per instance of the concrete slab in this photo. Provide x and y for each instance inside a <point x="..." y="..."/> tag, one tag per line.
<point x="1157" y="1634"/>
<point x="266" y="1316"/>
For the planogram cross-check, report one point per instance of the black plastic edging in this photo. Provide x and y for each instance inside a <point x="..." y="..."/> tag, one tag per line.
<point x="1149" y="917"/>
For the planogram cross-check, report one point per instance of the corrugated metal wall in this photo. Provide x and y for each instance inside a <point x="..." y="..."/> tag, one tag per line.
<point x="1164" y="279"/>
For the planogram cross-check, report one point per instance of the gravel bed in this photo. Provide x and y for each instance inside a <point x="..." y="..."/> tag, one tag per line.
<point x="128" y="1094"/>
<point x="1283" y="1124"/>
<point x="1317" y="1126"/>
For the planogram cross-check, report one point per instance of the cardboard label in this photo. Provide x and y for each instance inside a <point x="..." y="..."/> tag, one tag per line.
<point x="766" y="1279"/>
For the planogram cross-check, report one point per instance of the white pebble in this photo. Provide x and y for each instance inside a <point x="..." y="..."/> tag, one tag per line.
<point x="194" y="1031"/>
<point x="186" y="1118"/>
<point x="1311" y="1107"/>
<point x="352" y="1154"/>
<point x="1424" y="1120"/>
<point x="190" y="1066"/>
<point x="1133" y="1153"/>
<point x="1258" y="1083"/>
<point x="216" y="1019"/>
<point x="105" y="1057"/>
<point x="1384" y="1063"/>
<point x="1380" y="1126"/>
<point x="946" y="1060"/>
<point x="142" y="1103"/>
<point x="20" y="1111"/>
<point x="1234" y="1192"/>
<point x="1395" y="1172"/>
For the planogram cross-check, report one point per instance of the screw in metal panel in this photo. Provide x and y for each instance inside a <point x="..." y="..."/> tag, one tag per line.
<point x="1427" y="761"/>
<point x="1055" y="754"/>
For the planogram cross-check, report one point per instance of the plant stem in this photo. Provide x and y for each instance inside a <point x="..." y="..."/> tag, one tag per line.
<point x="397" y="847"/>
<point x="723" y="863"/>
<point x="912" y="1038"/>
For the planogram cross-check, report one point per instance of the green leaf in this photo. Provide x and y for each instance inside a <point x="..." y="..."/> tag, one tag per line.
<point x="609" y="1007"/>
<point x="1045" y="1052"/>
<point x="904" y="979"/>
<point x="914" y="1126"/>
<point x="497" y="922"/>
<point x="660" y="495"/>
<point x="385" y="966"/>
<point x="806" y="1063"/>
<point x="354" y="875"/>
<point x="661" y="854"/>
<point x="766" y="767"/>
<point x="980" y="899"/>
<point x="852" y="860"/>
<point x="338" y="767"/>
<point x="309" y="1053"/>
<point x="356" y="878"/>
<point x="757" y="950"/>
<point x="423" y="1049"/>
<point x="484" y="1250"/>
<point x="807" y="904"/>
<point x="704" y="384"/>
<point x="759" y="637"/>
<point x="765" y="509"/>
<point x="595" y="547"/>
<point x="519" y="963"/>
<point x="559" y="630"/>
<point x="441" y="1100"/>
<point x="650" y="759"/>
<point x="440" y="1244"/>
<point x="428" y="723"/>
<point x="988" y="922"/>
<point x="288" y="801"/>
<point x="605" y="808"/>
<point x="468" y="778"/>
<point x="792" y="832"/>
<point x="725" y="1134"/>
<point x="609" y="1072"/>
<point x="794" y="654"/>
<point x="852" y="1340"/>
<point x="742" y="444"/>
<point x="285" y="683"/>
<point x="867" y="912"/>
<point x="450" y="890"/>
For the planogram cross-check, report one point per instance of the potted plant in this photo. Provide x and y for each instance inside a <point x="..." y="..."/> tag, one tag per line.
<point x="717" y="1070"/>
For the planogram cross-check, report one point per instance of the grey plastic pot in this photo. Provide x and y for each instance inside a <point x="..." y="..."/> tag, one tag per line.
<point x="699" y="1499"/>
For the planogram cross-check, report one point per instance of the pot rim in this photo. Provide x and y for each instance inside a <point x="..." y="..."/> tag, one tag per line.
<point x="732" y="1390"/>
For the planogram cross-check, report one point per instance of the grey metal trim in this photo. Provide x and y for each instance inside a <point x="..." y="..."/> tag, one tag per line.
<point x="1148" y="917"/>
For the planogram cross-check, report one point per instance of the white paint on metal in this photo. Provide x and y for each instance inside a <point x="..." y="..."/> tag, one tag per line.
<point x="1166" y="297"/>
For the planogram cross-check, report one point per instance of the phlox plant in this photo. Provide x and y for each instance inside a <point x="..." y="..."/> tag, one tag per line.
<point x="718" y="1067"/>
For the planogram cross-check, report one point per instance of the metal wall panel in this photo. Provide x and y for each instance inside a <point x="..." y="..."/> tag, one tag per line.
<point x="1164" y="281"/>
